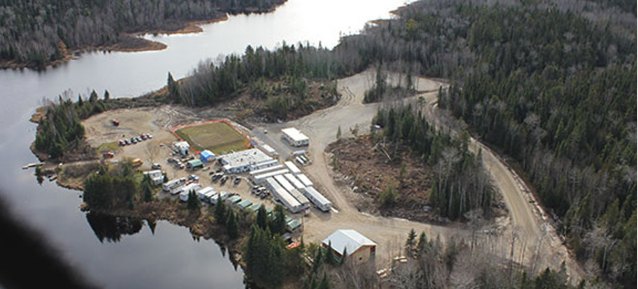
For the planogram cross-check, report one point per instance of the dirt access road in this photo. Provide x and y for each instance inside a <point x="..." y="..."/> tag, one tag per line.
<point x="535" y="242"/>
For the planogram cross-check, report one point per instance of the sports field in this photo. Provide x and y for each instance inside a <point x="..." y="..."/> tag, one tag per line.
<point x="218" y="137"/>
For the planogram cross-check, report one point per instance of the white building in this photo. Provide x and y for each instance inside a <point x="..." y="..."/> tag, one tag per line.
<point x="246" y="160"/>
<point x="183" y="147"/>
<point x="359" y="248"/>
<point x="156" y="176"/>
<point x="294" y="137"/>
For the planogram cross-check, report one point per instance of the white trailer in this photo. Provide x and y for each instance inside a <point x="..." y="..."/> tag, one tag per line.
<point x="218" y="196"/>
<point x="295" y="181"/>
<point x="284" y="183"/>
<point x="283" y="196"/>
<point x="185" y="190"/>
<point x="170" y="185"/>
<point x="301" y="198"/>
<point x="304" y="180"/>
<point x="261" y="178"/>
<point x="263" y="165"/>
<point x="205" y="193"/>
<point x="318" y="199"/>
<point x="293" y="169"/>
<point x="266" y="170"/>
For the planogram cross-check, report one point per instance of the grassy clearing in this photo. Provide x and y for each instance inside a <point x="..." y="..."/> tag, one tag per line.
<point x="111" y="146"/>
<point x="216" y="137"/>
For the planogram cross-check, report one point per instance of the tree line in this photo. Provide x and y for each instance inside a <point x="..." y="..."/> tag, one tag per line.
<point x="38" y="32"/>
<point x="429" y="264"/>
<point x="461" y="183"/>
<point x="549" y="84"/>
<point x="290" y="66"/>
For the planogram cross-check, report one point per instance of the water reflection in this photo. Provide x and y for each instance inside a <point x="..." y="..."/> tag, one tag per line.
<point x="111" y="228"/>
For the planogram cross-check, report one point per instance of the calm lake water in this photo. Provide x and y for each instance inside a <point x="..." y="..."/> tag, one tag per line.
<point x="138" y="257"/>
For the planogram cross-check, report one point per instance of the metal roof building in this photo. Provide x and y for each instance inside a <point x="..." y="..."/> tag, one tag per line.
<point x="360" y="249"/>
<point x="294" y="137"/>
<point x="246" y="160"/>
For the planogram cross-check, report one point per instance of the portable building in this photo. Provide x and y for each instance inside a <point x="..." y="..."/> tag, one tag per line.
<point x="266" y="170"/>
<point x="300" y="161"/>
<point x="304" y="180"/>
<point x="183" y="196"/>
<point x="194" y="164"/>
<point x="255" y="207"/>
<point x="183" y="147"/>
<point x="294" y="137"/>
<point x="293" y="225"/>
<point x="156" y="176"/>
<point x="293" y="169"/>
<point x="206" y="156"/>
<point x="283" y="196"/>
<point x="170" y="185"/>
<point x="295" y="182"/>
<point x="221" y="196"/>
<point x="186" y="189"/>
<point x="234" y="199"/>
<point x="205" y="193"/>
<point x="261" y="178"/>
<point x="284" y="183"/>
<point x="317" y="198"/>
<point x="246" y="160"/>
<point x="302" y="199"/>
<point x="264" y="164"/>
<point x="244" y="204"/>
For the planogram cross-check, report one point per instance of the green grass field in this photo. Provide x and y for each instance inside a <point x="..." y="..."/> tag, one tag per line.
<point x="217" y="137"/>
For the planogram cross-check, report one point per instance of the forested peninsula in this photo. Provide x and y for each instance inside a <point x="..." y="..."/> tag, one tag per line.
<point x="37" y="33"/>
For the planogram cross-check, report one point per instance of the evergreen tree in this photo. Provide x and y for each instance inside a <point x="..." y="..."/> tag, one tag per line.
<point x="330" y="255"/>
<point x="107" y="95"/>
<point x="344" y="256"/>
<point x="220" y="212"/>
<point x="147" y="188"/>
<point x="193" y="204"/>
<point x="278" y="223"/>
<point x="410" y="243"/>
<point x="232" y="226"/>
<point x="339" y="132"/>
<point x="325" y="283"/>
<point x="262" y="217"/>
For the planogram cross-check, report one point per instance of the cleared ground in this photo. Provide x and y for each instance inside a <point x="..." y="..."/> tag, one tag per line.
<point x="217" y="137"/>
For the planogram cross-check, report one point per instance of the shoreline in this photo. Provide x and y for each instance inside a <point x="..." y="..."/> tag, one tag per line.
<point x="142" y="45"/>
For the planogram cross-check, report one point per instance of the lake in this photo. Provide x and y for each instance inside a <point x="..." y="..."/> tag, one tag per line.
<point x="138" y="257"/>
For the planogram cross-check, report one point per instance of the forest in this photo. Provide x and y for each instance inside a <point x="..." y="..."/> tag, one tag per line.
<point x="549" y="85"/>
<point x="461" y="183"/>
<point x="38" y="32"/>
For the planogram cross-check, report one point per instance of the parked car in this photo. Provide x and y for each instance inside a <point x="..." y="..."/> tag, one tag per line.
<point x="122" y="143"/>
<point x="143" y="137"/>
<point x="223" y="180"/>
<point x="156" y="166"/>
<point x="108" y="155"/>
<point x="193" y="178"/>
<point x="217" y="176"/>
<point x="149" y="136"/>
<point x="115" y="122"/>
<point x="133" y="140"/>
<point x="237" y="180"/>
<point x="170" y="160"/>
<point x="127" y="142"/>
<point x="205" y="169"/>
<point x="138" y="139"/>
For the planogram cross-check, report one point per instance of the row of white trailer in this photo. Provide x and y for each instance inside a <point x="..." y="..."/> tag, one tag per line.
<point x="296" y="192"/>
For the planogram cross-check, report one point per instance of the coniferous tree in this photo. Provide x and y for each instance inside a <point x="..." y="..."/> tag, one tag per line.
<point x="193" y="203"/>
<point x="262" y="217"/>
<point x="220" y="212"/>
<point x="232" y="226"/>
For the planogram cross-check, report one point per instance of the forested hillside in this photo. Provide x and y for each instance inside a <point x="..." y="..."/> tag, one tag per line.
<point x="551" y="84"/>
<point x="37" y="32"/>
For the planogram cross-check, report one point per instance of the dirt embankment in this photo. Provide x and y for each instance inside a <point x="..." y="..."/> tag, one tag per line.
<point x="369" y="168"/>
